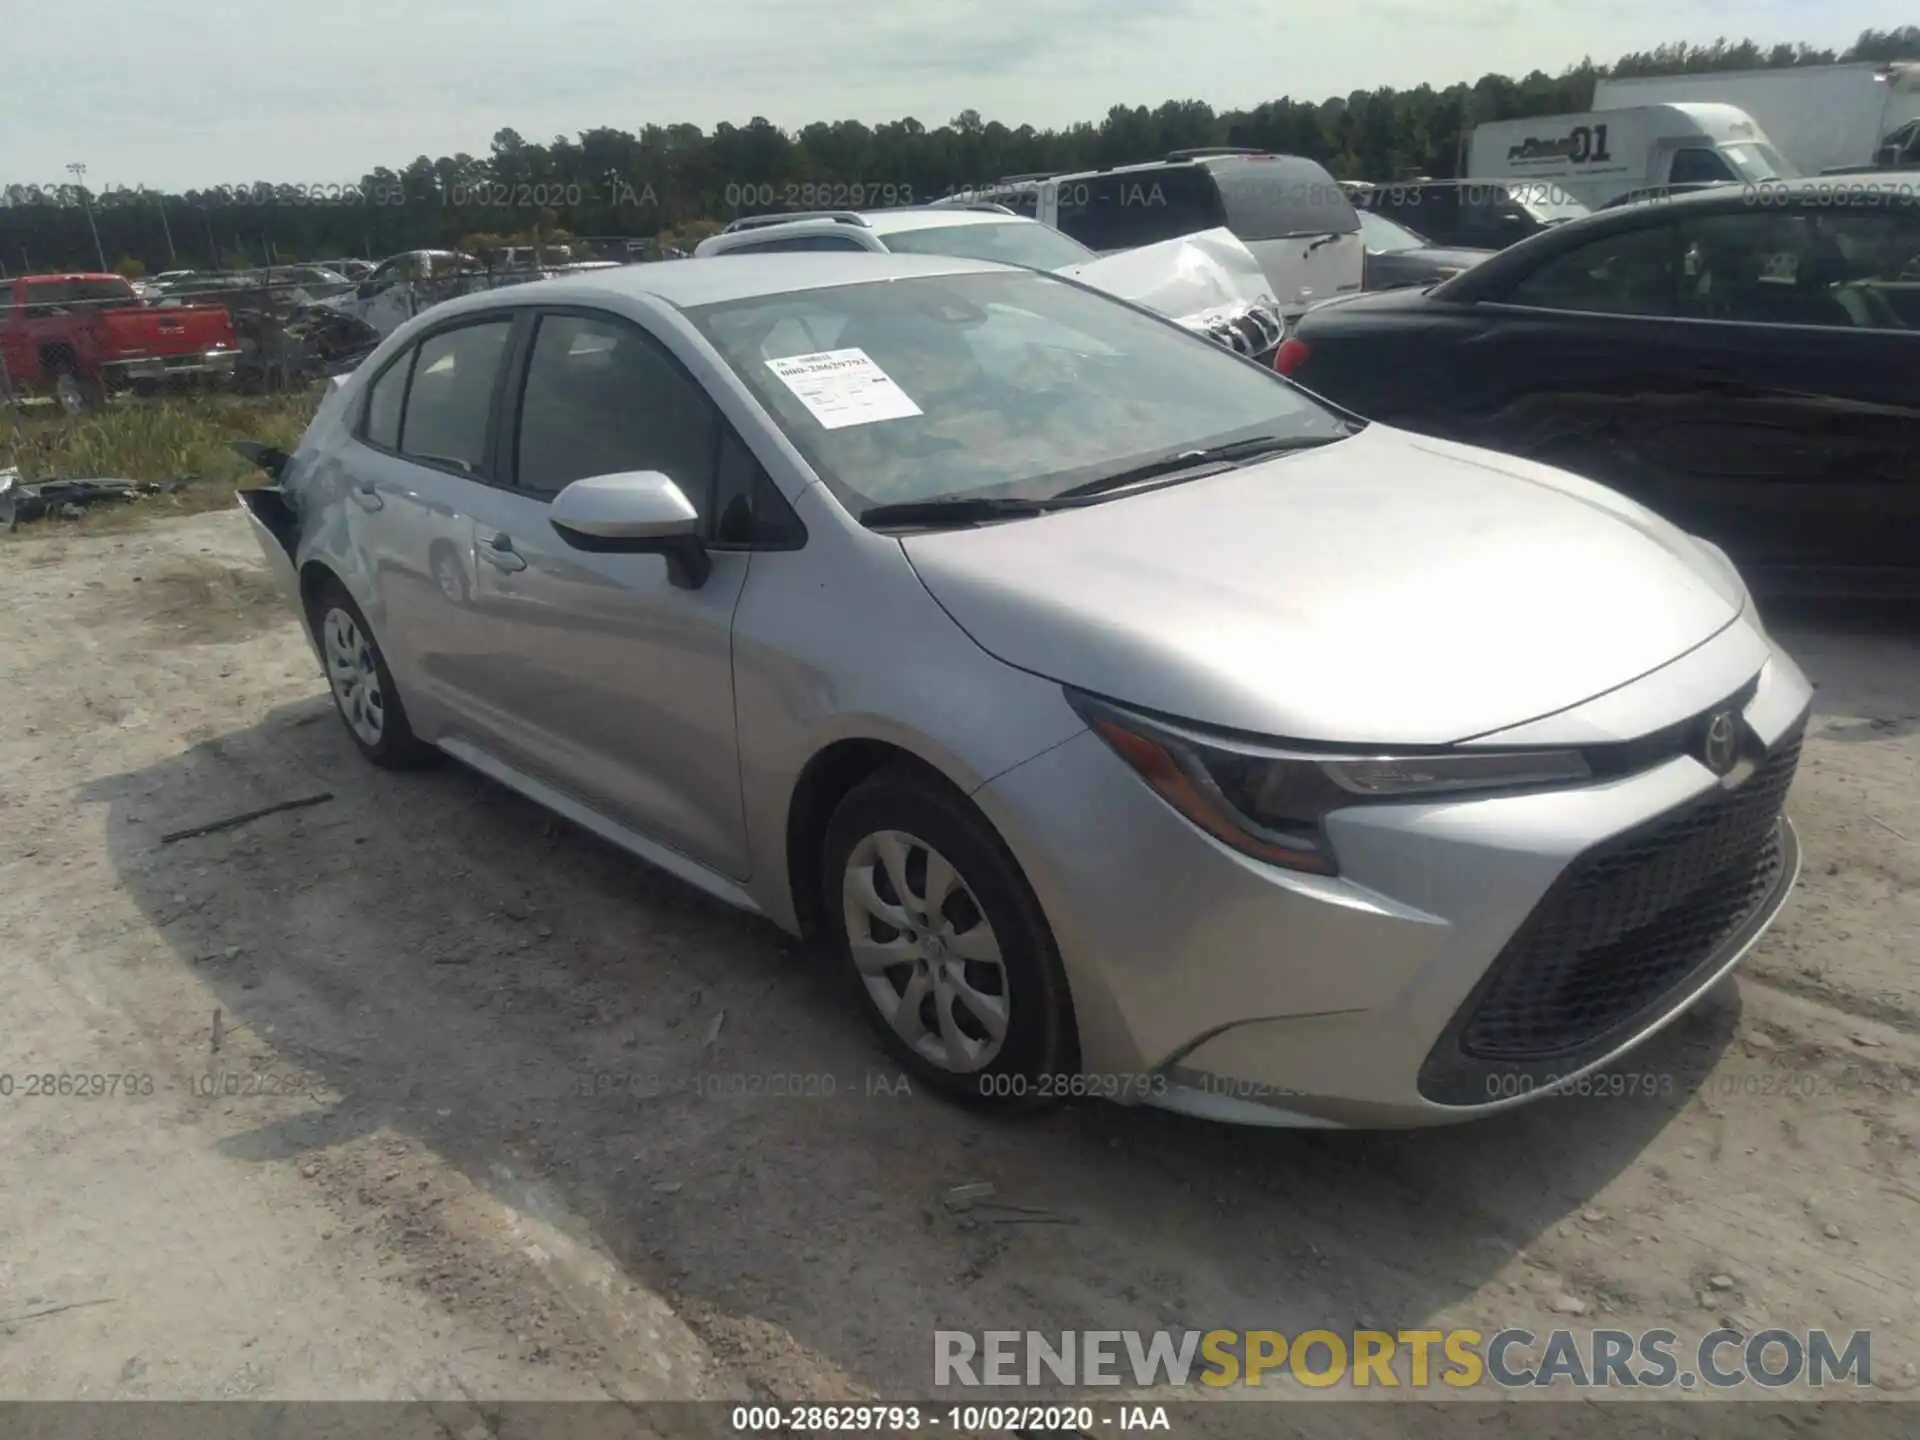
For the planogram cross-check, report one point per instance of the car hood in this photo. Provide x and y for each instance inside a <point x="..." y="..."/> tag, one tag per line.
<point x="1387" y="589"/>
<point x="1202" y="280"/>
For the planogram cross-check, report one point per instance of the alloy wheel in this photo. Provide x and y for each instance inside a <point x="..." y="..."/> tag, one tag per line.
<point x="925" y="951"/>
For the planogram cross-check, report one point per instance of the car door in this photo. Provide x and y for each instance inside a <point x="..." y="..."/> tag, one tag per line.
<point x="1802" y="319"/>
<point x="603" y="677"/>
<point x="1571" y="363"/>
<point x="423" y="455"/>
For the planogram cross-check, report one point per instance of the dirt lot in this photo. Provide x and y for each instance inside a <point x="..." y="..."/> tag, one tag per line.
<point x="413" y="982"/>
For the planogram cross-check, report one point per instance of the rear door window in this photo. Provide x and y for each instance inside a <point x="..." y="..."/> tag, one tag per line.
<point x="1273" y="198"/>
<point x="385" y="398"/>
<point x="1839" y="269"/>
<point x="450" y="402"/>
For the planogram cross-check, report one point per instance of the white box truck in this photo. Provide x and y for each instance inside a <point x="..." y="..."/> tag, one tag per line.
<point x="1821" y="117"/>
<point x="1605" y="154"/>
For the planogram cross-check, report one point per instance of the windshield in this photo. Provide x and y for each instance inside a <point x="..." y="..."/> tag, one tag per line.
<point x="1015" y="242"/>
<point x="1387" y="237"/>
<point x="1755" y="161"/>
<point x="1005" y="384"/>
<point x="1271" y="197"/>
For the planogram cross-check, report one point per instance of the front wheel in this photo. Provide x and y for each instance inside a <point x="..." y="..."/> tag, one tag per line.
<point x="945" y="944"/>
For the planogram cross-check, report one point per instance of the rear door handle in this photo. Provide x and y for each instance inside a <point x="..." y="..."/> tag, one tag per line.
<point x="367" y="497"/>
<point x="499" y="553"/>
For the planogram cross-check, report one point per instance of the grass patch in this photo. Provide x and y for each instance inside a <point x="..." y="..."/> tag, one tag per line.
<point x="179" y="438"/>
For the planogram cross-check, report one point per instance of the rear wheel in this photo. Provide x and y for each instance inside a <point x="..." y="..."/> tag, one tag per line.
<point x="76" y="392"/>
<point x="362" y="685"/>
<point x="945" y="944"/>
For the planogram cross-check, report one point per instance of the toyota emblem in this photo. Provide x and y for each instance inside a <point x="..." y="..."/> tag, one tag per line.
<point x="1722" y="746"/>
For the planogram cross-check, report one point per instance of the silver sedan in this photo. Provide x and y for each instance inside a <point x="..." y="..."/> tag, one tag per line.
<point x="1129" y="722"/>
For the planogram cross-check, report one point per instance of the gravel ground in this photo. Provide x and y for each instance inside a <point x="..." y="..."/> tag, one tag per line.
<point x="367" y="1152"/>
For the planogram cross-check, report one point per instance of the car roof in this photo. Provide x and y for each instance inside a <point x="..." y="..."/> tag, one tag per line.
<point x="688" y="283"/>
<point x="877" y="222"/>
<point x="1255" y="161"/>
<point x="1895" y="188"/>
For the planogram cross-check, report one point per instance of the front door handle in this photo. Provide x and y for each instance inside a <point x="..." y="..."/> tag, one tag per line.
<point x="499" y="553"/>
<point x="366" y="497"/>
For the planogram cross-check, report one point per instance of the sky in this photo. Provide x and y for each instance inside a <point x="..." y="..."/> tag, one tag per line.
<point x="174" y="94"/>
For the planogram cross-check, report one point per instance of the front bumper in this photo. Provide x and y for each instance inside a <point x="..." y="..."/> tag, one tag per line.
<point x="1261" y="995"/>
<point x="218" y="363"/>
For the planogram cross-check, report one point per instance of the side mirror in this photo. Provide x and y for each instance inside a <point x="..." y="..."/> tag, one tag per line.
<point x="636" y="512"/>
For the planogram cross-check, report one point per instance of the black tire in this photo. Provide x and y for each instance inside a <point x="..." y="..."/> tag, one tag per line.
<point x="1039" y="1048"/>
<point x="76" y="391"/>
<point x="395" y="746"/>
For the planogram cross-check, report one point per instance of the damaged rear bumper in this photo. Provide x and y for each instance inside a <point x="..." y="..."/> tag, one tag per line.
<point x="276" y="530"/>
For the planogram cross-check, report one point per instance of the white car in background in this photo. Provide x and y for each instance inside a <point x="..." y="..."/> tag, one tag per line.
<point x="1209" y="281"/>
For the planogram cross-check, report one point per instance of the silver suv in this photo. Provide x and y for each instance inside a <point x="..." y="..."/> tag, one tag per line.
<point x="983" y="232"/>
<point x="1199" y="287"/>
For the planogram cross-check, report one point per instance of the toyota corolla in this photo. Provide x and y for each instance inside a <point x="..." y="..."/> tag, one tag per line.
<point x="1128" y="721"/>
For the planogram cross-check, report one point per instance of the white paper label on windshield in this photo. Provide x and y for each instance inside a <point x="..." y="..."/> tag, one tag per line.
<point x="843" y="387"/>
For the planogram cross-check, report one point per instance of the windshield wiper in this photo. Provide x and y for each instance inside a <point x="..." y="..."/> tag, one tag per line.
<point x="954" y="510"/>
<point x="1186" y="464"/>
<point x="1211" y="457"/>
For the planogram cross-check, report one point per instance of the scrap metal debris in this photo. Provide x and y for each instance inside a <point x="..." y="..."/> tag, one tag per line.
<point x="298" y="803"/>
<point x="67" y="499"/>
<point x="965" y="1197"/>
<point x="981" y="1195"/>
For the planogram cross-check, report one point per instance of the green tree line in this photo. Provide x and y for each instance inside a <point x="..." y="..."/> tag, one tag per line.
<point x="677" y="182"/>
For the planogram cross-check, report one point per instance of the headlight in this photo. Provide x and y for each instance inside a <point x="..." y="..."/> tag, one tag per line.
<point x="1271" y="803"/>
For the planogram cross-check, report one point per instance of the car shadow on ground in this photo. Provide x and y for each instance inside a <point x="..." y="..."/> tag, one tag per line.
<point x="697" y="1096"/>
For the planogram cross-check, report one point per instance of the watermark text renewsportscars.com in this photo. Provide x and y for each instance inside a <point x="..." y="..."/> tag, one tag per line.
<point x="1508" y="1359"/>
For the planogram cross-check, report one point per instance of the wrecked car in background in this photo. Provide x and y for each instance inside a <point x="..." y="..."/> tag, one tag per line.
<point x="79" y="336"/>
<point x="1210" y="282"/>
<point x="285" y="335"/>
<point x="403" y="285"/>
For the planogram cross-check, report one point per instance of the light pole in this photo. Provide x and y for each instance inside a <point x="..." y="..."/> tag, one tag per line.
<point x="79" y="173"/>
<point x="160" y="202"/>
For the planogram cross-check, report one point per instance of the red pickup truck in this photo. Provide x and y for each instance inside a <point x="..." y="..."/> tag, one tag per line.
<point x="78" y="336"/>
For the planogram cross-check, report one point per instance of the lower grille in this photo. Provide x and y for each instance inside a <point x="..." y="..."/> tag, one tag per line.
<point x="1619" y="932"/>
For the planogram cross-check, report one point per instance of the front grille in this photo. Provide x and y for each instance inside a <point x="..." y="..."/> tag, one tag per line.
<point x="1623" y="928"/>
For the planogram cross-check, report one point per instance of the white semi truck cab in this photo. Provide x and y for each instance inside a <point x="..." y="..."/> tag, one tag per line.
<point x="1603" y="155"/>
